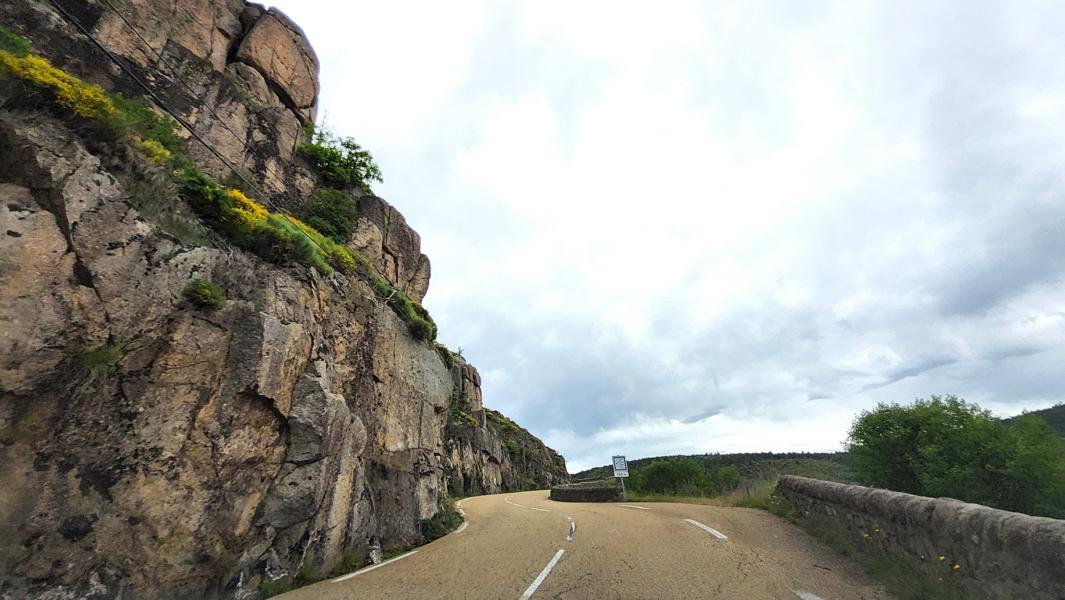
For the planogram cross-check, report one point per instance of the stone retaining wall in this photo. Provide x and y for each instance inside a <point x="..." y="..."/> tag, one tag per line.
<point x="999" y="554"/>
<point x="589" y="491"/>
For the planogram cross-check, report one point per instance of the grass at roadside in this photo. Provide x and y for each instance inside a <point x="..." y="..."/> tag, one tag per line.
<point x="898" y="576"/>
<point x="760" y="494"/>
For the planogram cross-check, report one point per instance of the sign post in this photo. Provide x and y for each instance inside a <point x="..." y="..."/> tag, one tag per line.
<point x="621" y="471"/>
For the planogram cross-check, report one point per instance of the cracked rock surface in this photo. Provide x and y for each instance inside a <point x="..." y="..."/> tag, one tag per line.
<point x="151" y="449"/>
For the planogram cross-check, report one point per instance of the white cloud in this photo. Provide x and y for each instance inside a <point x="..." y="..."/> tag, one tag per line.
<point x="720" y="226"/>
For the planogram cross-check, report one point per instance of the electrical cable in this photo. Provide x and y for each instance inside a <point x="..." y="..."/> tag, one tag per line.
<point x="159" y="101"/>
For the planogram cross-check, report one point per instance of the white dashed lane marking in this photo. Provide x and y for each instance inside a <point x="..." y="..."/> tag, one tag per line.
<point x="631" y="506"/>
<point x="543" y="575"/>
<point x="708" y="529"/>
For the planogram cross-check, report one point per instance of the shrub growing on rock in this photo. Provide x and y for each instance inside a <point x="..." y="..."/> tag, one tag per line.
<point x="442" y="523"/>
<point x="204" y="294"/>
<point x="98" y="359"/>
<point x="14" y="44"/>
<point x="84" y="100"/>
<point x="332" y="213"/>
<point x="341" y="161"/>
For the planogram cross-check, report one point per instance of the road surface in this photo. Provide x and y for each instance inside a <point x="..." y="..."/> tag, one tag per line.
<point x="523" y="545"/>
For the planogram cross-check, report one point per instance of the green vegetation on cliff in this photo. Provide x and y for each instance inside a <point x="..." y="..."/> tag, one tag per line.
<point x="341" y="161"/>
<point x="274" y="236"/>
<point x="204" y="294"/>
<point x="332" y="212"/>
<point x="14" y="44"/>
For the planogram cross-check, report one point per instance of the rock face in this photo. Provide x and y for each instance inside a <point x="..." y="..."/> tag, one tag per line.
<point x="383" y="236"/>
<point x="245" y="78"/>
<point x="150" y="449"/>
<point x="277" y="48"/>
<point x="488" y="453"/>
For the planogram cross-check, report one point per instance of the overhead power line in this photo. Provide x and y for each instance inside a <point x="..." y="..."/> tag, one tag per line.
<point x="166" y="108"/>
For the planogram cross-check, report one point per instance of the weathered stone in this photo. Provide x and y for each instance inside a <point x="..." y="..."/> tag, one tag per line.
<point x="382" y="234"/>
<point x="278" y="48"/>
<point x="294" y="498"/>
<point x="205" y="28"/>
<point x="1000" y="554"/>
<point x="157" y="450"/>
<point x="254" y="84"/>
<point x="184" y="58"/>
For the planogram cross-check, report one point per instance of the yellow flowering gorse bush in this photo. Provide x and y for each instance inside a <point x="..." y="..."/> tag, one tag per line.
<point x="247" y="212"/>
<point x="84" y="100"/>
<point x="154" y="151"/>
<point x="229" y="210"/>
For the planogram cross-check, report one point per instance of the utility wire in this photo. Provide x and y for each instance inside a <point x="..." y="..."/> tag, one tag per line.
<point x="159" y="101"/>
<point x="175" y="76"/>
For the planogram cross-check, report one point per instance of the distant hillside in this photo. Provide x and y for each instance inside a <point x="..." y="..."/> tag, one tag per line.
<point x="1054" y="415"/>
<point x="752" y="466"/>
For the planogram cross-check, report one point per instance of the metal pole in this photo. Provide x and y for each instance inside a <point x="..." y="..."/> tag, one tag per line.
<point x="624" y="497"/>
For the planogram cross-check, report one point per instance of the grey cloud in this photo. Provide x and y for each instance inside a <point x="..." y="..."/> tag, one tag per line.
<point x="897" y="261"/>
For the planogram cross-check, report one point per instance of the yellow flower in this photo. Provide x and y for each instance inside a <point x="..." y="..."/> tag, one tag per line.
<point x="957" y="567"/>
<point x="82" y="99"/>
<point x="941" y="557"/>
<point x="247" y="212"/>
<point x="154" y="151"/>
<point x="311" y="231"/>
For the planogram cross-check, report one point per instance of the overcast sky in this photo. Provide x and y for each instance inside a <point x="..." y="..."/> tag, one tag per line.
<point x="687" y="227"/>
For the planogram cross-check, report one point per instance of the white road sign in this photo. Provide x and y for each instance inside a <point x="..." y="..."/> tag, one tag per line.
<point x="621" y="467"/>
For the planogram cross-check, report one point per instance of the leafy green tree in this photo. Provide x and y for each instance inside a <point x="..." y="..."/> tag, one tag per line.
<point x="341" y="161"/>
<point x="947" y="447"/>
<point x="726" y="478"/>
<point x="1032" y="479"/>
<point x="680" y="475"/>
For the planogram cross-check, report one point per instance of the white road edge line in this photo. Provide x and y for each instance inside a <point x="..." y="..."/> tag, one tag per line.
<point x="572" y="530"/>
<point x="808" y="596"/>
<point x="631" y="506"/>
<point x="368" y="569"/>
<point x="708" y="529"/>
<point x="543" y="575"/>
<point x="465" y="522"/>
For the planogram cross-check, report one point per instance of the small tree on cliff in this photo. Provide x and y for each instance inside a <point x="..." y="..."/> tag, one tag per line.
<point x="947" y="447"/>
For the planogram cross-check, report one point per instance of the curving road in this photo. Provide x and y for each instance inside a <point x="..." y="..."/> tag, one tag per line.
<point x="518" y="546"/>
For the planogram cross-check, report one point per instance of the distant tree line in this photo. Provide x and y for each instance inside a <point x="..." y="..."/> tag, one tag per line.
<point x="945" y="446"/>
<point x="684" y="476"/>
<point x="751" y="465"/>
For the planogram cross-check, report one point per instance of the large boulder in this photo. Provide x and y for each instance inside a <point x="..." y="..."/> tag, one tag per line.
<point x="382" y="234"/>
<point x="278" y="49"/>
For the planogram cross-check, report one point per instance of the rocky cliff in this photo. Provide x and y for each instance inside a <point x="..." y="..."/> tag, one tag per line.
<point x="153" y="449"/>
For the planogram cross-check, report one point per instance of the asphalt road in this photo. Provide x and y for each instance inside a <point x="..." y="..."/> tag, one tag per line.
<point x="518" y="546"/>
